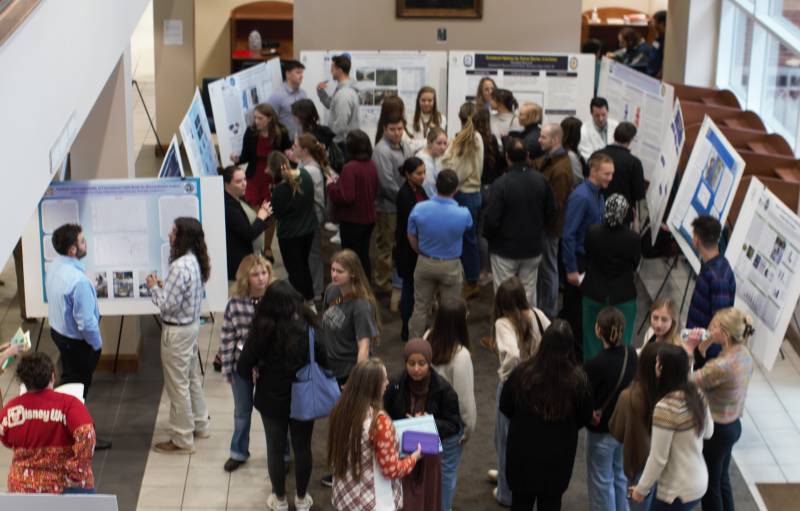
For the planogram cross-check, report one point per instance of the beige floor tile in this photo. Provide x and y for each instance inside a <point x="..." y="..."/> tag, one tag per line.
<point x="159" y="475"/>
<point x="213" y="496"/>
<point x="207" y="476"/>
<point x="248" y="497"/>
<point x="169" y="496"/>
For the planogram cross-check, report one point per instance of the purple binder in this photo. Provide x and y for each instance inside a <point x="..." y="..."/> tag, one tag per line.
<point x="428" y="441"/>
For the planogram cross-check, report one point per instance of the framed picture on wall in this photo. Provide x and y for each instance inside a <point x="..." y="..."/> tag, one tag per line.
<point x="439" y="8"/>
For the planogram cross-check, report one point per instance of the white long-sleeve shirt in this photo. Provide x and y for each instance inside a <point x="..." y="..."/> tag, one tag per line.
<point x="508" y="346"/>
<point x="460" y="374"/>
<point x="594" y="139"/>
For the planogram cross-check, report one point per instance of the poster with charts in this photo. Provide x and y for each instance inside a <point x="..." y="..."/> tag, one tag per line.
<point x="377" y="75"/>
<point x="764" y="251"/>
<point x="233" y="99"/>
<point x="196" y="136"/>
<point x="642" y="100"/>
<point x="562" y="83"/>
<point x="663" y="176"/>
<point x="126" y="223"/>
<point x="707" y="186"/>
<point x="172" y="166"/>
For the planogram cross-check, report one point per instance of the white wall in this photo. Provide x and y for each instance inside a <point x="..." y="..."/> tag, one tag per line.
<point x="646" y="6"/>
<point x="54" y="65"/>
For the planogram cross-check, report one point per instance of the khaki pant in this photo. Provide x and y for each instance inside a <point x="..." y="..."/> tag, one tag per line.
<point x="383" y="266"/>
<point x="525" y="269"/>
<point x="183" y="382"/>
<point x="432" y="276"/>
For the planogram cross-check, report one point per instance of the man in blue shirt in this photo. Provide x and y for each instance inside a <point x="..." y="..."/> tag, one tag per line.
<point x="72" y="311"/>
<point x="584" y="208"/>
<point x="435" y="231"/>
<point x="287" y="93"/>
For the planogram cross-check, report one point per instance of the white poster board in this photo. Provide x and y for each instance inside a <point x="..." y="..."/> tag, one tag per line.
<point x="663" y="176"/>
<point x="707" y="187"/>
<point x="172" y="166"/>
<point x="126" y="223"/>
<point x="233" y="99"/>
<point x="764" y="251"/>
<point x="196" y="136"/>
<point x="639" y="99"/>
<point x="377" y="74"/>
<point x="561" y="83"/>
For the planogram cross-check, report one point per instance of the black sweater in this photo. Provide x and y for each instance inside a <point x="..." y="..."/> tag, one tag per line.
<point x="442" y="402"/>
<point x="239" y="233"/>
<point x="404" y="256"/>
<point x="603" y="371"/>
<point x="250" y="145"/>
<point x="612" y="256"/>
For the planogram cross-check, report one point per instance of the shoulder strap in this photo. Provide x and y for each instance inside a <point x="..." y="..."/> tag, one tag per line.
<point x="538" y="323"/>
<point x="311" y="344"/>
<point x="619" y="380"/>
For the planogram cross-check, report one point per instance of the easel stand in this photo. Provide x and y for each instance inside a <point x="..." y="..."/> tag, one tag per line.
<point x="159" y="147"/>
<point x="672" y="265"/>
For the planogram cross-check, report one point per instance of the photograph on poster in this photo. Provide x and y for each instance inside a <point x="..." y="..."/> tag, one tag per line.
<point x="100" y="281"/>
<point x="141" y="278"/>
<point x="123" y="284"/>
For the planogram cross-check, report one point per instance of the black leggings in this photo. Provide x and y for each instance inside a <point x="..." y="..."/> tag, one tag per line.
<point x="356" y="237"/>
<point x="294" y="252"/>
<point x="717" y="453"/>
<point x="301" y="431"/>
<point x="521" y="501"/>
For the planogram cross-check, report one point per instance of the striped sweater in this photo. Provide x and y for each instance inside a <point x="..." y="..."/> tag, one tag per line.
<point x="676" y="452"/>
<point x="724" y="381"/>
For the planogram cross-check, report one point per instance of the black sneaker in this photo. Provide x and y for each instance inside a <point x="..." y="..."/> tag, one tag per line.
<point x="327" y="481"/>
<point x="232" y="464"/>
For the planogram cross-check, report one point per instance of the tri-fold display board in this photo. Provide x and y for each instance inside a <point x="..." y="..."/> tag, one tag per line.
<point x="196" y="136"/>
<point x="126" y="223"/>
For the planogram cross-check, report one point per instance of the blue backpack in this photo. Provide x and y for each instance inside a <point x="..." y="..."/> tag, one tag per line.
<point x="315" y="392"/>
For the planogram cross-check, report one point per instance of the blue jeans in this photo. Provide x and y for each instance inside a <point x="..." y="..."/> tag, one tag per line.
<point x="608" y="486"/>
<point x="451" y="457"/>
<point x="470" y="254"/>
<point x="500" y="442"/>
<point x="547" y="283"/>
<point x="406" y="305"/>
<point x="676" y="505"/>
<point x="242" y="411"/>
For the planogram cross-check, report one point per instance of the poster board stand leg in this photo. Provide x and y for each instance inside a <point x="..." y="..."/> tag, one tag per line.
<point x="672" y="266"/>
<point x="159" y="147"/>
<point x="39" y="336"/>
<point x="119" y="342"/>
<point x="686" y="290"/>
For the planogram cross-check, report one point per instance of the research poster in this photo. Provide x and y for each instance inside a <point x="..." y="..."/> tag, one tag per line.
<point x="663" y="176"/>
<point x="764" y="251"/>
<point x="561" y="83"/>
<point x="172" y="166"/>
<point x="126" y="224"/>
<point x="642" y="100"/>
<point x="233" y="99"/>
<point x="707" y="187"/>
<point x="377" y="75"/>
<point x="196" y="136"/>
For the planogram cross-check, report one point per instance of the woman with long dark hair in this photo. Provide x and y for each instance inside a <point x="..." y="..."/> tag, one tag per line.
<point x="278" y="346"/>
<point x="547" y="399"/>
<point x="483" y="96"/>
<point x="362" y="452"/>
<point x="305" y="112"/>
<point x="681" y="420"/>
<point x="451" y="359"/>
<point x="504" y="118"/>
<point x="405" y="258"/>
<point x="426" y="114"/>
<point x="572" y="139"/>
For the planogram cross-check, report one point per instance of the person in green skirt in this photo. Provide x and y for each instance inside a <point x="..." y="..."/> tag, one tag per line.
<point x="612" y="256"/>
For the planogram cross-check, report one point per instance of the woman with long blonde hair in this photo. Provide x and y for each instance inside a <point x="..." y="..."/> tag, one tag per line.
<point x="664" y="323"/>
<point x="252" y="278"/>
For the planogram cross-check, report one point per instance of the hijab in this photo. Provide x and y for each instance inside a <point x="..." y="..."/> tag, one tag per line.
<point x="615" y="210"/>
<point x="418" y="390"/>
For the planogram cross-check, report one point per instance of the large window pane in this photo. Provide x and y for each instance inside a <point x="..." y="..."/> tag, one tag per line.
<point x="741" y="53"/>
<point x="787" y="11"/>
<point x="781" y="100"/>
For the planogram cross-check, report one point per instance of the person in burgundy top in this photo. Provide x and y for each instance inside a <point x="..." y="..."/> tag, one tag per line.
<point x="260" y="139"/>
<point x="52" y="434"/>
<point x="405" y="258"/>
<point x="353" y="196"/>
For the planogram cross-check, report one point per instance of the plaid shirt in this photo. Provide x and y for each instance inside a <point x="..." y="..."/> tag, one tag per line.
<point x="378" y="451"/>
<point x="715" y="289"/>
<point x="182" y="295"/>
<point x="235" y="329"/>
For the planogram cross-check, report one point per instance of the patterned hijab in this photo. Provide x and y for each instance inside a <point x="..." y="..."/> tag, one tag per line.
<point x="616" y="209"/>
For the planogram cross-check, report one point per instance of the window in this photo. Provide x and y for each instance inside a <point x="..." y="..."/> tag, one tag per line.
<point x="781" y="101"/>
<point x="740" y="56"/>
<point x="786" y="12"/>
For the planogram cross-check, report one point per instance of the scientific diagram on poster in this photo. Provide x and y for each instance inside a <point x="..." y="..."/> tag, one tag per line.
<point x="233" y="99"/>
<point x="561" y="83"/>
<point x="126" y="224"/>
<point x="663" y="176"/>
<point x="380" y="74"/>
<point x="642" y="100"/>
<point x="172" y="166"/>
<point x="709" y="181"/>
<point x="196" y="136"/>
<point x="764" y="251"/>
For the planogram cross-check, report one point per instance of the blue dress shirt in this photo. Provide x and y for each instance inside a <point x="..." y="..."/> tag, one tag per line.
<point x="585" y="207"/>
<point x="72" y="302"/>
<point x="439" y="225"/>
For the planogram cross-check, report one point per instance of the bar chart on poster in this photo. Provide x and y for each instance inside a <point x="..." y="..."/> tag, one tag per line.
<point x="126" y="224"/>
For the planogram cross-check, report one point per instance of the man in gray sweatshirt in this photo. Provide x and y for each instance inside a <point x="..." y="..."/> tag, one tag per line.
<point x="389" y="154"/>
<point x="343" y="105"/>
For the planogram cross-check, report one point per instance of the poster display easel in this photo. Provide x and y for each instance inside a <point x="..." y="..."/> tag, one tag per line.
<point x="378" y="74"/>
<point x="764" y="251"/>
<point x="707" y="187"/>
<point x="196" y="136"/>
<point x="233" y="99"/>
<point x="663" y="176"/>
<point x="642" y="100"/>
<point x="562" y="83"/>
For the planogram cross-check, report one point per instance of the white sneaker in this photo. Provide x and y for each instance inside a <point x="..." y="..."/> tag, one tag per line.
<point x="491" y="474"/>
<point x="336" y="239"/>
<point x="303" y="504"/>
<point x="276" y="504"/>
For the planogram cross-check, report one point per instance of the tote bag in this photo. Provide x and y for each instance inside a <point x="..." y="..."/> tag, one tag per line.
<point x="315" y="392"/>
